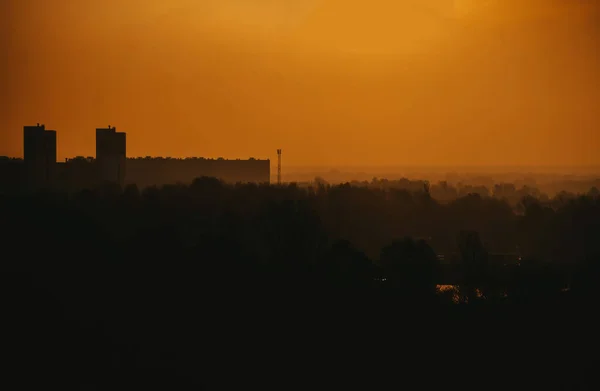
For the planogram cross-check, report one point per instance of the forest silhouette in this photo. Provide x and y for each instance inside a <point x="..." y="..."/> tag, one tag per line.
<point x="213" y="284"/>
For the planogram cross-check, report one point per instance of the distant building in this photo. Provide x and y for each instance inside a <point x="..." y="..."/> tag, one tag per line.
<point x="39" y="168"/>
<point x="111" y="147"/>
<point x="161" y="171"/>
<point x="39" y="155"/>
<point x="77" y="173"/>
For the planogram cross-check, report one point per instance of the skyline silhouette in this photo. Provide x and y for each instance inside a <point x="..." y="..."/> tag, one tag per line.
<point x="112" y="164"/>
<point x="39" y="170"/>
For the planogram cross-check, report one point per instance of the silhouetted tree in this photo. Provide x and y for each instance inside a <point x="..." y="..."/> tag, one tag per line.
<point x="127" y="278"/>
<point x="410" y="266"/>
<point x="347" y="266"/>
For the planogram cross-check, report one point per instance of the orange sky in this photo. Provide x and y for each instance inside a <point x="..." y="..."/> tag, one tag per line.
<point x="332" y="82"/>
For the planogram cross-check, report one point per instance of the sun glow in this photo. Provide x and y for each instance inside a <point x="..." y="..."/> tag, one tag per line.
<point x="468" y="8"/>
<point x="392" y="27"/>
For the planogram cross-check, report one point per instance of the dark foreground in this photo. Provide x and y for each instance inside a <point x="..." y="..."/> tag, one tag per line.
<point x="210" y="286"/>
<point x="99" y="331"/>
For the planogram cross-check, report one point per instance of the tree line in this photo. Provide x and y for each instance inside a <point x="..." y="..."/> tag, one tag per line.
<point x="135" y="272"/>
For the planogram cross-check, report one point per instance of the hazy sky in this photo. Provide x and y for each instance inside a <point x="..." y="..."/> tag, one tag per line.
<point x="332" y="82"/>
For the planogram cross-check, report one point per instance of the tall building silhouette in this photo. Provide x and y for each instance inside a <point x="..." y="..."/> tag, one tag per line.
<point x="111" y="155"/>
<point x="39" y="155"/>
<point x="39" y="169"/>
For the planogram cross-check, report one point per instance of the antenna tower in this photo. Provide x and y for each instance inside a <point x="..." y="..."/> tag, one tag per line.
<point x="279" y="167"/>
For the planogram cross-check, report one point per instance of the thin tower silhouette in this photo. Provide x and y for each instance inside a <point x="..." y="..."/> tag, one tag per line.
<point x="279" y="167"/>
